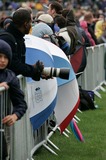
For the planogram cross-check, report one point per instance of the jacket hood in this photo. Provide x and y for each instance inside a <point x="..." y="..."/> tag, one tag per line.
<point x="70" y="18"/>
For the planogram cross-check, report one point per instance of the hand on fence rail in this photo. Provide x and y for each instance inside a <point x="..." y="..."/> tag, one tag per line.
<point x="10" y="119"/>
<point x="4" y="84"/>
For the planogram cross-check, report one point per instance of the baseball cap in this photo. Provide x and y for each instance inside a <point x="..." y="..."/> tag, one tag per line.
<point x="45" y="18"/>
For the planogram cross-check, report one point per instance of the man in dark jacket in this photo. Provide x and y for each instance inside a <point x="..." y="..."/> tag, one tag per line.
<point x="20" y="26"/>
<point x="10" y="81"/>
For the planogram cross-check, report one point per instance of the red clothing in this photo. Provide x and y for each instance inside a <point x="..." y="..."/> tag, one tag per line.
<point x="83" y="24"/>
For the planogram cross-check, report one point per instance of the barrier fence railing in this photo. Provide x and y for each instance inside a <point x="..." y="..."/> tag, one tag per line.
<point x="94" y="73"/>
<point x="22" y="140"/>
<point x="4" y="105"/>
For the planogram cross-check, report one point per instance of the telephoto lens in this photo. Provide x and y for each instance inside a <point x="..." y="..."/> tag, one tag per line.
<point x="62" y="73"/>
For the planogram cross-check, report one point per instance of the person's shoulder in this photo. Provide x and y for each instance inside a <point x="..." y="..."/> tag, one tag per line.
<point x="10" y="73"/>
<point x="41" y="26"/>
<point x="41" y="29"/>
<point x="4" y="33"/>
<point x="12" y="78"/>
<point x="6" y="36"/>
<point x="10" y="39"/>
<point x="63" y="29"/>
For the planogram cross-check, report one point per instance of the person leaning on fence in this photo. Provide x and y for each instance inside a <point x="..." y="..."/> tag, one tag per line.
<point x="69" y="31"/>
<point x="9" y="81"/>
<point x="89" y="18"/>
<point x="20" y="25"/>
<point x="63" y="36"/>
<point x="42" y="29"/>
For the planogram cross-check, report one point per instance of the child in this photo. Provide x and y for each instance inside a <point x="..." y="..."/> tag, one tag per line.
<point x="9" y="80"/>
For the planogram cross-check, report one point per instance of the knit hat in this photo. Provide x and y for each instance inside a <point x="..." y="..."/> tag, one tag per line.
<point x="6" y="49"/>
<point x="45" y="18"/>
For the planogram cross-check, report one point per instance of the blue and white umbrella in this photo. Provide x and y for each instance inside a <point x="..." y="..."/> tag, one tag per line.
<point x="56" y="94"/>
<point x="42" y="94"/>
<point x="68" y="91"/>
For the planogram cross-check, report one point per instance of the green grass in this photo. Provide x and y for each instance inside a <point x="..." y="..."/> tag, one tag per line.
<point x="93" y="129"/>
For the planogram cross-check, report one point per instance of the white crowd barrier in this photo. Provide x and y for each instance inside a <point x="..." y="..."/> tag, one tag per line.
<point x="23" y="140"/>
<point x="94" y="73"/>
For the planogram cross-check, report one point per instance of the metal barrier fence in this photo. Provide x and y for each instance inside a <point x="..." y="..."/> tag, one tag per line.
<point x="4" y="101"/>
<point x="94" y="73"/>
<point x="21" y="138"/>
<point x="23" y="141"/>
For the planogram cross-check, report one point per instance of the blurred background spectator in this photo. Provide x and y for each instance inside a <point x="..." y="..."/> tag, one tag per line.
<point x="90" y="11"/>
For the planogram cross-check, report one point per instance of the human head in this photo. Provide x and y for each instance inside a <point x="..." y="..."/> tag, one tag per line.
<point x="28" y="9"/>
<point x="22" y="19"/>
<point x="54" y="8"/>
<point x="65" y="11"/>
<point x="6" y="50"/>
<point x="60" y="21"/>
<point x="6" y="22"/>
<point x="46" y="18"/>
<point x="99" y="28"/>
<point x="70" y="17"/>
<point x="88" y="17"/>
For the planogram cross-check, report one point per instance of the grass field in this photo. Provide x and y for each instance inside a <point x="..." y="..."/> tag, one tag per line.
<point x="93" y="129"/>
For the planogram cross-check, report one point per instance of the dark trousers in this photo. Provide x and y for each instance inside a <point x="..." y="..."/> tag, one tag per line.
<point x="3" y="146"/>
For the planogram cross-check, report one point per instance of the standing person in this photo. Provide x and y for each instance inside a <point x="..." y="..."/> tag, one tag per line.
<point x="63" y="34"/>
<point x="99" y="29"/>
<point x="71" y="29"/>
<point x="55" y="9"/>
<point x="10" y="81"/>
<point x="88" y="17"/>
<point x="20" y="26"/>
<point x="78" y="43"/>
<point x="83" y="24"/>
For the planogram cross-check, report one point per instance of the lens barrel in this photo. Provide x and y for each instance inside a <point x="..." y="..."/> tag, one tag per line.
<point x="62" y="73"/>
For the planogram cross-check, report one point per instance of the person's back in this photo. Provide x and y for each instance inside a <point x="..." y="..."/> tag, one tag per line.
<point x="87" y="41"/>
<point x="102" y="38"/>
<point x="78" y="53"/>
<point x="42" y="28"/>
<point x="83" y="24"/>
<point x="99" y="28"/>
<point x="61" y="23"/>
<point x="88" y="17"/>
<point x="20" y="26"/>
<point x="71" y="29"/>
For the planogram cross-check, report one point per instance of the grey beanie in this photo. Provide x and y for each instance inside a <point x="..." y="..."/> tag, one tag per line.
<point x="6" y="49"/>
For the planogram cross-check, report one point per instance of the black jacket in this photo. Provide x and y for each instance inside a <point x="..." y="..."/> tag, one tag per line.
<point x="91" y="31"/>
<point x="16" y="94"/>
<point x="18" y="64"/>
